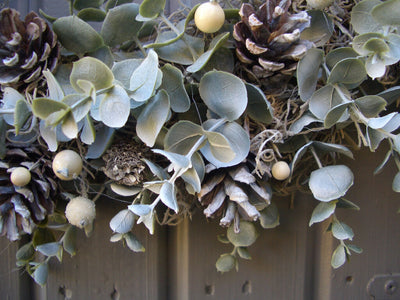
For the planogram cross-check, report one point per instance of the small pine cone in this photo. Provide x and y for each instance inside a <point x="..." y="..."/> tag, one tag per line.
<point x="124" y="163"/>
<point x="27" y="48"/>
<point x="23" y="207"/>
<point x="268" y="42"/>
<point x="233" y="190"/>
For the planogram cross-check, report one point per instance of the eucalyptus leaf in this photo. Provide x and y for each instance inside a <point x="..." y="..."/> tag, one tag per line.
<point x="341" y="231"/>
<point x="246" y="236"/>
<point x="144" y="78"/>
<point x="92" y="70"/>
<point x="381" y="122"/>
<point x="374" y="138"/>
<point x="225" y="263"/>
<point x="124" y="190"/>
<point x="238" y="140"/>
<point x="115" y="107"/>
<point x="151" y="8"/>
<point x="344" y="203"/>
<point x="308" y="72"/>
<point x="322" y="212"/>
<point x="49" y="249"/>
<point x="338" y="257"/>
<point x="104" y="136"/>
<point x="140" y="209"/>
<point x="69" y="126"/>
<point x="81" y="105"/>
<point x="25" y="253"/>
<point x="54" y="88"/>
<point x="220" y="147"/>
<point x="104" y="54"/>
<point x="216" y="43"/>
<point x="86" y="41"/>
<point x="243" y="252"/>
<point x="329" y="147"/>
<point x="123" y="221"/>
<point x="116" y="237"/>
<point x="173" y="84"/>
<point x="43" y="107"/>
<point x="88" y="133"/>
<point x="299" y="154"/>
<point x="21" y="114"/>
<point x="336" y="114"/>
<point x="370" y="105"/>
<point x="269" y="217"/>
<point x="133" y="243"/>
<point x="195" y="174"/>
<point x="224" y="94"/>
<point x="91" y="14"/>
<point x="156" y="170"/>
<point x="361" y="17"/>
<point x="396" y="183"/>
<point x="320" y="29"/>
<point x="258" y="106"/>
<point x="120" y="24"/>
<point x="168" y="196"/>
<point x="181" y="27"/>
<point x="48" y="133"/>
<point x="387" y="13"/>
<point x="82" y="4"/>
<point x="331" y="182"/>
<point x="182" y="137"/>
<point x="69" y="240"/>
<point x="348" y="71"/>
<point x="301" y="123"/>
<point x="180" y="161"/>
<point x="152" y="118"/>
<point x="114" y="3"/>
<point x="41" y="273"/>
<point x="336" y="55"/>
<point x="360" y="40"/>
<point x="354" y="248"/>
<point x="375" y="66"/>
<point x="183" y="52"/>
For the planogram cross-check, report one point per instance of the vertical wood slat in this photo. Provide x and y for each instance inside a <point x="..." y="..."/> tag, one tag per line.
<point x="104" y="270"/>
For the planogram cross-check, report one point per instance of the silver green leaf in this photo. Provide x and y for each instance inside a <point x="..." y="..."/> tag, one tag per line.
<point x="133" y="243"/>
<point x="338" y="257"/>
<point x="151" y="8"/>
<point x="361" y="17"/>
<point x="120" y="24"/>
<point x="322" y="212"/>
<point x="246" y="236"/>
<point x="269" y="217"/>
<point x="152" y="118"/>
<point x="115" y="107"/>
<point x="320" y="29"/>
<point x="387" y="13"/>
<point x="308" y="72"/>
<point x="331" y="182"/>
<point x="258" y="106"/>
<point x="49" y="249"/>
<point x="348" y="71"/>
<point x="341" y="231"/>
<point x="182" y="137"/>
<point x="371" y="105"/>
<point x="41" y="273"/>
<point x="168" y="196"/>
<point x="396" y="183"/>
<point x="224" y="94"/>
<point x="123" y="221"/>
<point x="140" y="209"/>
<point x="225" y="263"/>
<point x="172" y="83"/>
<point x="86" y="41"/>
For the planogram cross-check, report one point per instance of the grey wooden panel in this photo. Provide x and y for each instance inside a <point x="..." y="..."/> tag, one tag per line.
<point x="280" y="269"/>
<point x="104" y="270"/>
<point x="377" y="231"/>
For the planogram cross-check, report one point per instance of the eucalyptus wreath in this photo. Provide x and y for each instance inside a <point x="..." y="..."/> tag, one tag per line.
<point x="175" y="114"/>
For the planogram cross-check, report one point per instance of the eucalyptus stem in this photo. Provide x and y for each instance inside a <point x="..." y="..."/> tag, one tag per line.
<point x="71" y="7"/>
<point x="140" y="46"/>
<point x="174" y="29"/>
<point x="314" y="153"/>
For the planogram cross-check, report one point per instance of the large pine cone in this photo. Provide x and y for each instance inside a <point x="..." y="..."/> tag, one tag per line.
<point x="22" y="207"/>
<point x="268" y="41"/>
<point x="26" y="49"/>
<point x="232" y="191"/>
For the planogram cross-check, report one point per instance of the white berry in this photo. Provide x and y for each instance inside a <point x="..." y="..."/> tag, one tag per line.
<point x="80" y="211"/>
<point x="20" y="176"/>
<point x="67" y="165"/>
<point x="209" y="17"/>
<point x="280" y="170"/>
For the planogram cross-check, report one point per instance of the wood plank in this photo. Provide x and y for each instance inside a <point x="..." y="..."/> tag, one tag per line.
<point x="279" y="269"/>
<point x="105" y="270"/>
<point x="376" y="227"/>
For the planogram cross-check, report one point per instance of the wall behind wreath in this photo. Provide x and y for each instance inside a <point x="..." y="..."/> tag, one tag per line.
<point x="291" y="262"/>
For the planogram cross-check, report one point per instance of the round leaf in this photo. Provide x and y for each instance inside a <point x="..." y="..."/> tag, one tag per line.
<point x="258" y="106"/>
<point x="330" y="183"/>
<point x="338" y="257"/>
<point x="341" y="231"/>
<point x="224" y="94"/>
<point x="361" y="18"/>
<point x="115" y="107"/>
<point x="91" y="14"/>
<point x="172" y="82"/>
<point x="348" y="71"/>
<point x="387" y="13"/>
<point x="396" y="183"/>
<point x="120" y="24"/>
<point x="322" y="211"/>
<point x="308" y="72"/>
<point x="238" y="140"/>
<point x="151" y="8"/>
<point x="321" y="28"/>
<point x="225" y="263"/>
<point x="67" y="28"/>
<point x="123" y="221"/>
<point x="92" y="70"/>
<point x="246" y="236"/>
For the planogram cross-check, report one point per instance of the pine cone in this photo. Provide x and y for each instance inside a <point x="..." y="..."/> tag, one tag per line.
<point x="22" y="207"/>
<point x="26" y="49"/>
<point x="228" y="191"/>
<point x="268" y="41"/>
